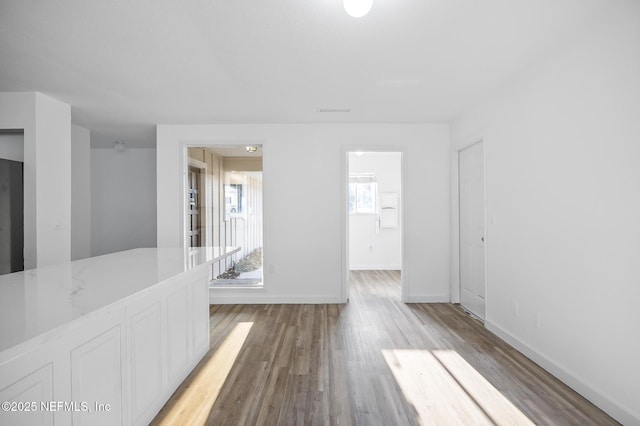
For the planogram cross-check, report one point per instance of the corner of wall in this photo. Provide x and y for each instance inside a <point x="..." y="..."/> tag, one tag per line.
<point x="80" y="192"/>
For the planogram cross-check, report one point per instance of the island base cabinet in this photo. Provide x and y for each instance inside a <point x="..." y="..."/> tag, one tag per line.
<point x="118" y="365"/>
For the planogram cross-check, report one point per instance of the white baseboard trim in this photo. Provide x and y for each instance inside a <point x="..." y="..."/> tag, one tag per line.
<point x="427" y="298"/>
<point x="265" y="299"/>
<point x="375" y="268"/>
<point x="621" y="414"/>
<point x="219" y="298"/>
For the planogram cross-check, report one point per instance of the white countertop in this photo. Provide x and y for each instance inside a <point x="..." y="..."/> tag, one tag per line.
<point x="38" y="300"/>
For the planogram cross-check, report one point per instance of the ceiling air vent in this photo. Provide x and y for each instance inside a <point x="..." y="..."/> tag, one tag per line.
<point x="333" y="110"/>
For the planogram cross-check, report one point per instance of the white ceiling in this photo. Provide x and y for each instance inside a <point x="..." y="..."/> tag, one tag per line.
<point x="125" y="66"/>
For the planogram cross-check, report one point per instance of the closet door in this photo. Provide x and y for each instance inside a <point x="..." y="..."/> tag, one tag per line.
<point x="472" y="229"/>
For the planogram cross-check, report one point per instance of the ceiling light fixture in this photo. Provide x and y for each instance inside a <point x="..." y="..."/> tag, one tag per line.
<point x="251" y="148"/>
<point x="119" y="145"/>
<point x="357" y="8"/>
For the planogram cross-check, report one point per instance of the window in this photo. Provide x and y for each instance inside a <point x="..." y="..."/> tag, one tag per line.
<point x="363" y="193"/>
<point x="233" y="198"/>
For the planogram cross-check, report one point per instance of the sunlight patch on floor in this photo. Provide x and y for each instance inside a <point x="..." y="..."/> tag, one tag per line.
<point x="443" y="387"/>
<point x="193" y="406"/>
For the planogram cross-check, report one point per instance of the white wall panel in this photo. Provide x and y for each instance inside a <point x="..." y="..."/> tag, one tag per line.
<point x="303" y="206"/>
<point x="12" y="146"/>
<point x="80" y="193"/>
<point x="47" y="173"/>
<point x="123" y="200"/>
<point x="562" y="176"/>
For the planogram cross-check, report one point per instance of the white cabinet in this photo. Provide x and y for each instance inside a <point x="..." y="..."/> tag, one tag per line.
<point x="34" y="386"/>
<point x="179" y="320"/>
<point x="96" y="378"/>
<point x="200" y="341"/>
<point x="145" y="360"/>
<point x="117" y="365"/>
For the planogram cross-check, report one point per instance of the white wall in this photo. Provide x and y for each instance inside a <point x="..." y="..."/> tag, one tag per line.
<point x="53" y="180"/>
<point x="80" y="193"/>
<point x="123" y="200"/>
<point x="369" y="250"/>
<point x="303" y="203"/>
<point x="12" y="146"/>
<point x="47" y="173"/>
<point x="18" y="111"/>
<point x="562" y="149"/>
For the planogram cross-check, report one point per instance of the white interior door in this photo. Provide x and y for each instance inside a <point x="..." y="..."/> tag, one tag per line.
<point x="472" y="229"/>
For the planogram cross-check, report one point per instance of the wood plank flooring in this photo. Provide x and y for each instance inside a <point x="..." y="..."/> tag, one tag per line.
<point x="373" y="361"/>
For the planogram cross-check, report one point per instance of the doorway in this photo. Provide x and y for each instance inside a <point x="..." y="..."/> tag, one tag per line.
<point x="373" y="216"/>
<point x="12" y="241"/>
<point x="225" y="210"/>
<point x="11" y="216"/>
<point x="472" y="229"/>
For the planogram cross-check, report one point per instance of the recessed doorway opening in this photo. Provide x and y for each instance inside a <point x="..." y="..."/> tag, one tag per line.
<point x="12" y="196"/>
<point x="224" y="208"/>
<point x="373" y="219"/>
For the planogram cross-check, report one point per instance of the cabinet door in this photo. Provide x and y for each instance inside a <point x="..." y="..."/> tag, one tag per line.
<point x="187" y="325"/>
<point x="96" y="379"/>
<point x="146" y="361"/>
<point x="178" y="327"/>
<point x="200" y="297"/>
<point x="35" y="387"/>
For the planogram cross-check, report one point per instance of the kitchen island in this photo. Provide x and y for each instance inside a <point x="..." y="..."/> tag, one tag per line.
<point x="103" y="340"/>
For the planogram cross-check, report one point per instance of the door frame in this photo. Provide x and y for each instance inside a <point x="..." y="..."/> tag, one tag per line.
<point x="456" y="289"/>
<point x="344" y="206"/>
<point x="185" y="161"/>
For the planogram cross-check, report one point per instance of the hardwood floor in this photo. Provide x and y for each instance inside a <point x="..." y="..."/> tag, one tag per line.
<point x="373" y="361"/>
